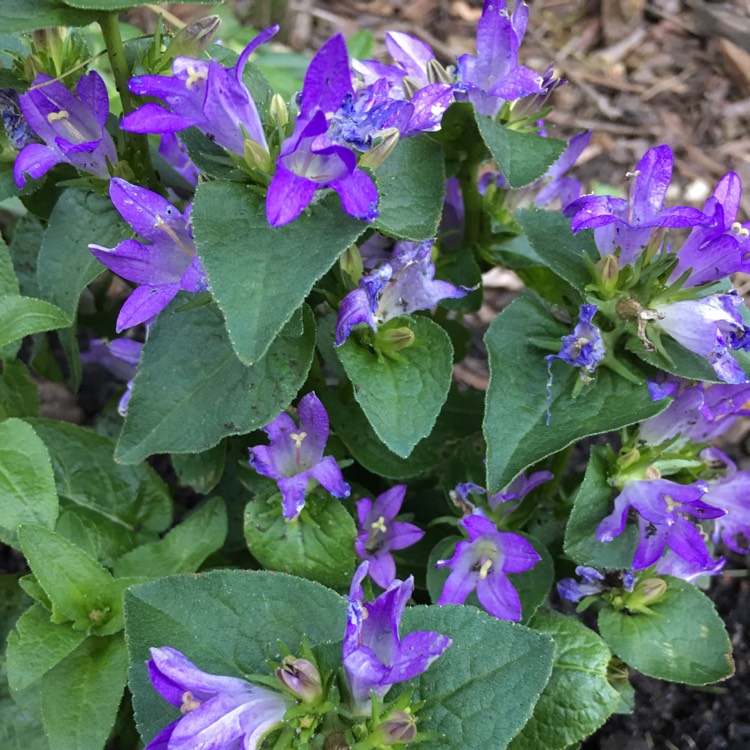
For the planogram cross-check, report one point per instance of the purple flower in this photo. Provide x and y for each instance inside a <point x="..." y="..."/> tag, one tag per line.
<point x="711" y="327"/>
<point x="561" y="188"/>
<point x="204" y="95"/>
<point x="399" y="287"/>
<point x="161" y="267"/>
<point x="71" y="127"/>
<point x="698" y="412"/>
<point x="17" y="130"/>
<point x="594" y="582"/>
<point x="509" y="498"/>
<point x="494" y="75"/>
<point x="375" y="657"/>
<point x="661" y="505"/>
<point x="121" y="357"/>
<point x="309" y="160"/>
<point x="380" y="534"/>
<point x="584" y="347"/>
<point x="483" y="562"/>
<point x="219" y="712"/>
<point x="628" y="225"/>
<point x="714" y="251"/>
<point x="732" y="494"/>
<point x="174" y="153"/>
<point x="296" y="455"/>
<point x="674" y="565"/>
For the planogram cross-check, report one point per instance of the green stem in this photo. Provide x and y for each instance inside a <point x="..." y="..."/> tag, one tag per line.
<point x="467" y="179"/>
<point x="137" y="144"/>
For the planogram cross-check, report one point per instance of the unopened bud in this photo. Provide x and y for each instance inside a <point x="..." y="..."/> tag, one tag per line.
<point x="278" y="109"/>
<point x="378" y="154"/>
<point x="436" y="73"/>
<point x="350" y="263"/>
<point x="399" y="728"/>
<point x="607" y="272"/>
<point x="410" y="86"/>
<point x="629" y="458"/>
<point x="301" y="677"/>
<point x="193" y="39"/>
<point x="256" y="156"/>
<point x="650" y="590"/>
<point x="394" y="339"/>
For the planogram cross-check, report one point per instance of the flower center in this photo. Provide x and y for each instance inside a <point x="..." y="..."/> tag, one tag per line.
<point x="298" y="437"/>
<point x="161" y="224"/>
<point x="485" y="568"/>
<point x="379" y="525"/>
<point x="671" y="503"/>
<point x="194" y="76"/>
<point x="63" y="117"/>
<point x="189" y="703"/>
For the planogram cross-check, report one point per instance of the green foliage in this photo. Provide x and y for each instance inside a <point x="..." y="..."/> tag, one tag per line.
<point x="21" y="316"/>
<point x="28" y="15"/>
<point x="180" y="405"/>
<point x="578" y="698"/>
<point x="402" y="395"/>
<point x="201" y="471"/>
<point x="19" y="396"/>
<point x="259" y="275"/>
<point x="515" y="424"/>
<point x="681" y="639"/>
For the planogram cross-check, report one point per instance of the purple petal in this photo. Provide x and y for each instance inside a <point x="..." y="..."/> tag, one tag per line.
<point x="389" y="503"/>
<point x="651" y="543"/>
<point x="92" y="91"/>
<point x="313" y="420"/>
<point x="161" y="741"/>
<point x="497" y="595"/>
<point x="151" y="118"/>
<point x="459" y="584"/>
<point x="293" y="491"/>
<point x="328" y="79"/>
<point x="35" y="160"/>
<point x="415" y="654"/>
<point x="328" y="474"/>
<point x="143" y="264"/>
<point x="359" y="195"/>
<point x="685" y="539"/>
<point x="145" y="303"/>
<point x="355" y="309"/>
<point x="403" y="534"/>
<point x="519" y="82"/>
<point x="288" y="195"/>
<point x="614" y="524"/>
<point x="410" y="53"/>
<point x="653" y="175"/>
<point x="383" y="570"/>
<point x="518" y="554"/>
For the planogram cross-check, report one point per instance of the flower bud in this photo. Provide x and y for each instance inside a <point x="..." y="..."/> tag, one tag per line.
<point x="193" y="39"/>
<point x="607" y="272"/>
<point x="650" y="590"/>
<point x="436" y="73"/>
<point x="278" y="109"/>
<point x="399" y="728"/>
<point x="350" y="263"/>
<point x="256" y="156"/>
<point x="393" y="340"/>
<point x="301" y="677"/>
<point x="410" y="86"/>
<point x="378" y="154"/>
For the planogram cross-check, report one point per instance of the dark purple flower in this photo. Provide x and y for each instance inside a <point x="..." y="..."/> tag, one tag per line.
<point x="295" y="456"/>
<point x="121" y="357"/>
<point x="627" y="225"/>
<point x="161" y="267"/>
<point x="732" y="494"/>
<point x="400" y="286"/>
<point x="509" y="498"/>
<point x="494" y="75"/>
<point x="375" y="656"/>
<point x="380" y="534"/>
<point x="584" y="347"/>
<point x="711" y="327"/>
<point x="661" y="505"/>
<point x="204" y="95"/>
<point x="309" y="160"/>
<point x="219" y="712"/>
<point x="483" y="562"/>
<point x="71" y="127"/>
<point x="712" y="252"/>
<point x="593" y="582"/>
<point x="17" y="130"/>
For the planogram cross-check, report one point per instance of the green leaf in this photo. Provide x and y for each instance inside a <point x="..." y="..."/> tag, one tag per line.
<point x="246" y="613"/>
<point x="682" y="640"/>
<point x="578" y="698"/>
<point x="24" y="250"/>
<point x="79" y="588"/>
<point x="29" y="15"/>
<point x="81" y="695"/>
<point x="21" y="726"/>
<point x="592" y="503"/>
<point x="21" y="316"/>
<point x="19" y="395"/>
<point x="27" y="487"/>
<point x="319" y="544"/>
<point x="65" y="266"/>
<point x="183" y="549"/>
<point x="132" y="498"/>
<point x="522" y="157"/>
<point x="201" y="471"/>
<point x="402" y="397"/>
<point x="482" y="689"/>
<point x="180" y="407"/>
<point x="260" y="275"/>
<point x="679" y="360"/>
<point x="532" y="586"/>
<point x="411" y="186"/>
<point x="563" y="252"/>
<point x="515" y="424"/>
<point x="8" y="280"/>
<point x="37" y="645"/>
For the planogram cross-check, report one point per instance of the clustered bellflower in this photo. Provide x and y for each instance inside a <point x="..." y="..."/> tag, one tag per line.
<point x="507" y="499"/>
<point x="72" y="128"/>
<point x="309" y="159"/>
<point x="218" y="712"/>
<point x="483" y="563"/>
<point x="121" y="357"/>
<point x="380" y="534"/>
<point x="403" y="284"/>
<point x="204" y="95"/>
<point x="295" y="456"/>
<point x="162" y="266"/>
<point x="375" y="656"/>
